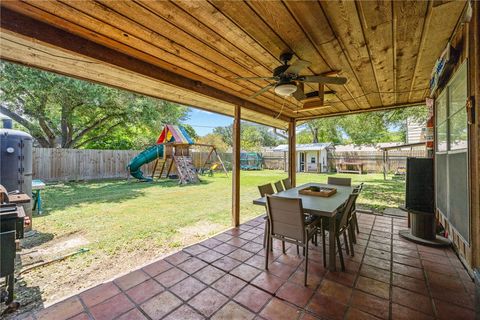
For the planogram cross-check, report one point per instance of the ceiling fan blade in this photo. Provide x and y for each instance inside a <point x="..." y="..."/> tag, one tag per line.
<point x="297" y="66"/>
<point x="299" y="94"/>
<point x="323" y="79"/>
<point x="255" y="78"/>
<point x="264" y="89"/>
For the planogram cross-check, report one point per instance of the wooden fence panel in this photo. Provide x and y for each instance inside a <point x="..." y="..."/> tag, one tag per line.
<point x="81" y="164"/>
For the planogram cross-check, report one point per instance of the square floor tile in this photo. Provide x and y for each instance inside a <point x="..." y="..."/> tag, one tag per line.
<point x="157" y="267"/>
<point x="187" y="288"/>
<point x="62" y="310"/>
<point x="112" y="308"/>
<point x="240" y="254"/>
<point x="448" y="311"/>
<point x="99" y="294"/>
<point x="160" y="305"/>
<point x="209" y="256"/>
<point x="170" y="277"/>
<point x="252" y="298"/>
<point x="412" y="300"/>
<point x="403" y="313"/>
<point x="208" y="301"/>
<point x="245" y="272"/>
<point x="295" y="294"/>
<point x="375" y="273"/>
<point x="371" y="304"/>
<point x="192" y="265"/>
<point x="268" y="282"/>
<point x="335" y="290"/>
<point x="177" y="258"/>
<point x="229" y="285"/>
<point x="195" y="249"/>
<point x="412" y="284"/>
<point x="133" y="314"/>
<point x="144" y="291"/>
<point x="209" y="274"/>
<point x="233" y="310"/>
<point x="183" y="313"/>
<point x="226" y="263"/>
<point x="131" y="279"/>
<point x="375" y="287"/>
<point x="326" y="307"/>
<point x="408" y="271"/>
<point x="279" y="310"/>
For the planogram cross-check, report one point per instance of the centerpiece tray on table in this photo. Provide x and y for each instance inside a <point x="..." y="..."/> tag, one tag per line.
<point x="318" y="191"/>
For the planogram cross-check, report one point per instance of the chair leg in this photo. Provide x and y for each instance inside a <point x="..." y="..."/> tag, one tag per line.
<point x="352" y="232"/>
<point x="324" y="249"/>
<point x="346" y="242"/>
<point x="342" y="263"/>
<point x="267" y="252"/>
<point x="356" y="221"/>
<point x="350" y="238"/>
<point x="283" y="247"/>
<point x="265" y="233"/>
<point x="298" y="251"/>
<point x="306" y="263"/>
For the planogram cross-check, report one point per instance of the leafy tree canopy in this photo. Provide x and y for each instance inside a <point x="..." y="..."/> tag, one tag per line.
<point x="363" y="128"/>
<point x="64" y="112"/>
<point x="214" y="139"/>
<point x="253" y="137"/>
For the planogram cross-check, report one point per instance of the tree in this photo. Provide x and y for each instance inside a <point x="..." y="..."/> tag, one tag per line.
<point x="363" y="128"/>
<point x="253" y="137"/>
<point x="64" y="112"/>
<point x="214" y="139"/>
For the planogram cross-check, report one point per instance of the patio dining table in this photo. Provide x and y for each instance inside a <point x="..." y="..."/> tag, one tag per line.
<point x="319" y="206"/>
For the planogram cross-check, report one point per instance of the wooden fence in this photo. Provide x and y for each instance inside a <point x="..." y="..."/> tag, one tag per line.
<point x="82" y="164"/>
<point x="75" y="164"/>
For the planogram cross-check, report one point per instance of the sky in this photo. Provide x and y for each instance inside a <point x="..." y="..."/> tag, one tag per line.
<point x="203" y="121"/>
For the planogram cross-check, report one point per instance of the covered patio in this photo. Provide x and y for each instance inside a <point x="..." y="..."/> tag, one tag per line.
<point x="191" y="53"/>
<point x="224" y="278"/>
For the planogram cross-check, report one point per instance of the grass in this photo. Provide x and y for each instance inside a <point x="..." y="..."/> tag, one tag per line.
<point x="116" y="214"/>
<point x="126" y="224"/>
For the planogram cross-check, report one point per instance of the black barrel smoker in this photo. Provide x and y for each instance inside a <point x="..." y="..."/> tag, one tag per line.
<point x="12" y="221"/>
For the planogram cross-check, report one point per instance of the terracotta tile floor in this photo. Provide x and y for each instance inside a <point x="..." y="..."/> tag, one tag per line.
<point x="223" y="278"/>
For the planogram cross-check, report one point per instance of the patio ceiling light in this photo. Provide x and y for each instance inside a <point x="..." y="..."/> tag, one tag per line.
<point x="285" y="89"/>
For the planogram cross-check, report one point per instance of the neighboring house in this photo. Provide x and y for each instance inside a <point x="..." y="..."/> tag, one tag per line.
<point x="311" y="157"/>
<point x="415" y="131"/>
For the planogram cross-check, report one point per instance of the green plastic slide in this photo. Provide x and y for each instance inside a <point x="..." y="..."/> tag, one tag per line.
<point x="144" y="157"/>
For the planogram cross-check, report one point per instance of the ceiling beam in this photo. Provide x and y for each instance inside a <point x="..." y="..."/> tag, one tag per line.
<point x="380" y="108"/>
<point x="31" y="28"/>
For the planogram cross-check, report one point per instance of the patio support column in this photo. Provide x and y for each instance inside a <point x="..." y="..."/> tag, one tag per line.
<point x="292" y="152"/>
<point x="474" y="143"/>
<point x="236" y="168"/>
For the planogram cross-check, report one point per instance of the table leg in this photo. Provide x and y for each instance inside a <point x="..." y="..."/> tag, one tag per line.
<point x="332" y="259"/>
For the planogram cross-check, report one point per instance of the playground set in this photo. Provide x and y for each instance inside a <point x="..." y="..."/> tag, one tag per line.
<point x="172" y="152"/>
<point x="251" y="161"/>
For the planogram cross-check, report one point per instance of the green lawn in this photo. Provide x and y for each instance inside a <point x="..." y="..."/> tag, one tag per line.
<point x="127" y="223"/>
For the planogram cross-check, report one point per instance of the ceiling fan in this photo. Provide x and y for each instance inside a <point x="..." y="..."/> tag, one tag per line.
<point x="287" y="78"/>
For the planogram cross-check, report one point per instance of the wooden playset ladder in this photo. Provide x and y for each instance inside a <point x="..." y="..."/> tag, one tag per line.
<point x="185" y="169"/>
<point x="162" y="168"/>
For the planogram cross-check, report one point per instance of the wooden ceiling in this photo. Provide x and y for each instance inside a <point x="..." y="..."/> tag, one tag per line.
<point x="385" y="49"/>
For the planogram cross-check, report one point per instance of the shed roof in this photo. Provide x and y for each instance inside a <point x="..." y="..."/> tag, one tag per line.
<point x="305" y="147"/>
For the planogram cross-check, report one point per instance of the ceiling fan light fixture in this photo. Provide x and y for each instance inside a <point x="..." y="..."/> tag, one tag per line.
<point x="285" y="89"/>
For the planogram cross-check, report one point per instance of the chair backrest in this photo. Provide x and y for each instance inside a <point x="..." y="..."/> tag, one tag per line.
<point x="286" y="217"/>
<point x="347" y="209"/>
<point x="279" y="186"/>
<point x="265" y="189"/>
<point x="359" y="188"/>
<point x="287" y="184"/>
<point x="340" y="181"/>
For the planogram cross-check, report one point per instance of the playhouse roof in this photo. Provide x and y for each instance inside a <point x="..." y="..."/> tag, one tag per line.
<point x="174" y="134"/>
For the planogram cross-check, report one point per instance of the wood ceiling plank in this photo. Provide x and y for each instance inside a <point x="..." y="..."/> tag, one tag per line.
<point x="206" y="13"/>
<point x="34" y="54"/>
<point x="155" y="32"/>
<point x="409" y="21"/>
<point x="316" y="26"/>
<point x="177" y="64"/>
<point x="343" y="18"/>
<point x="376" y="18"/>
<point x="443" y="20"/>
<point x="57" y="38"/>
